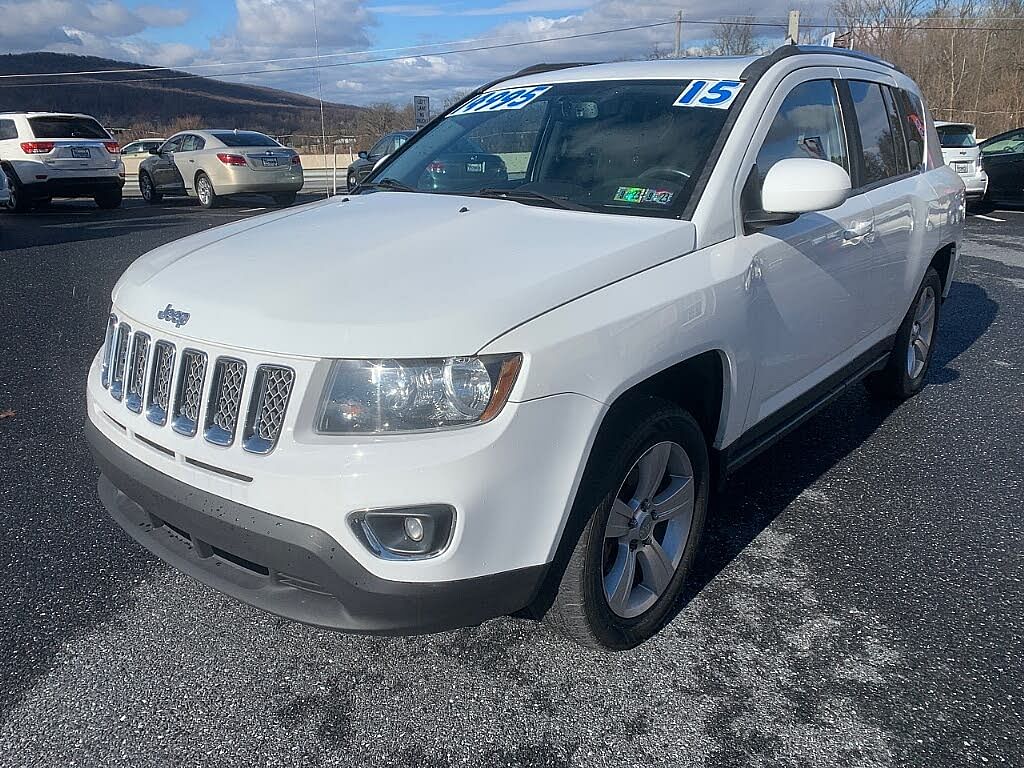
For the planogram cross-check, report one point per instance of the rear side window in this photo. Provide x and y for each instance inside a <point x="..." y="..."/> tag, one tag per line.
<point x="66" y="128"/>
<point x="876" y="134"/>
<point x="896" y="125"/>
<point x="8" y="130"/>
<point x="808" y="125"/>
<point x="912" y="116"/>
<point x="244" y="139"/>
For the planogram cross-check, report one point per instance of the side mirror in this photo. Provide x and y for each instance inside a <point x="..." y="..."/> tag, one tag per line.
<point x="802" y="184"/>
<point x="363" y="156"/>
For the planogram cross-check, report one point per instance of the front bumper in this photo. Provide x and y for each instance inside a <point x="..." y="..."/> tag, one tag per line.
<point x="286" y="567"/>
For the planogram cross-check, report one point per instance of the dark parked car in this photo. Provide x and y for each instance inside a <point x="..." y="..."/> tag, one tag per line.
<point x="1002" y="156"/>
<point x="387" y="144"/>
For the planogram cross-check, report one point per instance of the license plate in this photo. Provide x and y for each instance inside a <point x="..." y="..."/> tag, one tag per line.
<point x="81" y="152"/>
<point x="962" y="167"/>
<point x="270" y="162"/>
<point x="474" y="167"/>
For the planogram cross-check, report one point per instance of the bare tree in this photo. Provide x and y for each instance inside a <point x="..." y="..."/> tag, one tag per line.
<point x="734" y="37"/>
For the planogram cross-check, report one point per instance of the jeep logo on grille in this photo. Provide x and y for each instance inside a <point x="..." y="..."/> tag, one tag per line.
<point x="172" y="315"/>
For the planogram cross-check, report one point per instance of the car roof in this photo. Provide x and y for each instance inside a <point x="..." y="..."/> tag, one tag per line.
<point x="48" y="114"/>
<point x="947" y="124"/>
<point x="711" y="67"/>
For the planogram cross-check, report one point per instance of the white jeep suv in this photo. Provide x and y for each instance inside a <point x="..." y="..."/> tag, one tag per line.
<point x="46" y="155"/>
<point x="556" y="315"/>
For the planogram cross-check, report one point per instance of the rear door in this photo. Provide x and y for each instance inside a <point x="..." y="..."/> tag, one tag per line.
<point x="810" y="279"/>
<point x="79" y="143"/>
<point x="186" y="160"/>
<point x="899" y="195"/>
<point x="1003" y="159"/>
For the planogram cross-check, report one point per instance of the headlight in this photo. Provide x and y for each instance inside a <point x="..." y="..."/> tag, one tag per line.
<point x="373" y="396"/>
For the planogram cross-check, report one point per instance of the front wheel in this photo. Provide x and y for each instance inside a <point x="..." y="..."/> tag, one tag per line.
<point x="645" y="489"/>
<point x="108" y="200"/>
<point x="148" y="189"/>
<point x="204" y="191"/>
<point x="905" y="371"/>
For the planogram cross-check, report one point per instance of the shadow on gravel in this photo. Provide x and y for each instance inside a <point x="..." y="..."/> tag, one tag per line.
<point x="760" y="491"/>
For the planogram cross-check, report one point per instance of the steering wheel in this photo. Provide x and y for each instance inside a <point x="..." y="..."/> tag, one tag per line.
<point x="666" y="174"/>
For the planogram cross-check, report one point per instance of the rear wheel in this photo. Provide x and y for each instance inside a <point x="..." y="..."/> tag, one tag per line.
<point x="205" y="192"/>
<point x="645" y="489"/>
<point x="284" y="198"/>
<point x="148" y="189"/>
<point x="108" y="200"/>
<point x="905" y="372"/>
<point x="18" y="202"/>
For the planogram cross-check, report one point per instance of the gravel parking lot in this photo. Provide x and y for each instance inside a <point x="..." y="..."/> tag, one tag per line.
<point x="859" y="600"/>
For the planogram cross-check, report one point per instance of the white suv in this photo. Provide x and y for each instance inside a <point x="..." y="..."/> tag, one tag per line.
<point x="502" y="376"/>
<point x="46" y="155"/>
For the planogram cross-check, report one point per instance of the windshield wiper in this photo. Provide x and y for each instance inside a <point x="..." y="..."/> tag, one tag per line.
<point x="392" y="185"/>
<point x="526" y="195"/>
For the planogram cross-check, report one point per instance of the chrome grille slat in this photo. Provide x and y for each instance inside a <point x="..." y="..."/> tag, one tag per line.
<point x="119" y="360"/>
<point x="158" y="399"/>
<point x="267" y="408"/>
<point x="225" y="401"/>
<point x="108" y="341"/>
<point x="135" y="371"/>
<point x="190" y="392"/>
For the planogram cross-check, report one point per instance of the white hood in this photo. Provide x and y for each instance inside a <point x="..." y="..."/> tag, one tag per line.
<point x="389" y="274"/>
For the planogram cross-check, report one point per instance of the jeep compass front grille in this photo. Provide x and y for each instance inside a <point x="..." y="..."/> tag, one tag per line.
<point x="182" y="386"/>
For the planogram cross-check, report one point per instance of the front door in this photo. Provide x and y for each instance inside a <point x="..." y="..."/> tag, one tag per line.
<point x="809" y="281"/>
<point x="1003" y="160"/>
<point x="165" y="173"/>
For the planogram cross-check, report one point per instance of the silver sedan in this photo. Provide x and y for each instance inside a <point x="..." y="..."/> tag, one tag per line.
<point x="212" y="164"/>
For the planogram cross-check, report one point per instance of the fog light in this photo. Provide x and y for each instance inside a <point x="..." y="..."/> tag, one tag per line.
<point x="414" y="528"/>
<point x="405" y="534"/>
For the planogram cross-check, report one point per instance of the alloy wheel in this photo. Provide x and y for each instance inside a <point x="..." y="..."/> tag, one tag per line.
<point x="647" y="530"/>
<point x="203" y="190"/>
<point x="146" y="187"/>
<point x="921" y="333"/>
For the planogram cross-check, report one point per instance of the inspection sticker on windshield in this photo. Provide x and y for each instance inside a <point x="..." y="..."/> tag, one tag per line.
<point x="643" y="195"/>
<point x="493" y="101"/>
<point x="716" y="94"/>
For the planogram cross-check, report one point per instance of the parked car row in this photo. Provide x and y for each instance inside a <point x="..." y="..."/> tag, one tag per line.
<point x="992" y="169"/>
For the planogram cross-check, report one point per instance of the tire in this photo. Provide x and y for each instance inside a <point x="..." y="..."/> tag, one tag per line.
<point x="599" y="603"/>
<point x="907" y="367"/>
<point x="109" y="200"/>
<point x="284" y="199"/>
<point x="148" y="189"/>
<point x="18" y="202"/>
<point x="350" y="182"/>
<point x="205" y="192"/>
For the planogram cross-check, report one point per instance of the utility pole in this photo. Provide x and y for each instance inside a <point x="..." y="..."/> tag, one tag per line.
<point x="793" y="34"/>
<point x="679" y="33"/>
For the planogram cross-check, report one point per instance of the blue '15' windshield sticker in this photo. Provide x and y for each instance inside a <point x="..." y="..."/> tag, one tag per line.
<point x="493" y="101"/>
<point x="716" y="94"/>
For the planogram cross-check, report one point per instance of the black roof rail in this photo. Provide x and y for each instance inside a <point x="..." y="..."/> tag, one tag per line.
<point x="757" y="68"/>
<point x="536" y="69"/>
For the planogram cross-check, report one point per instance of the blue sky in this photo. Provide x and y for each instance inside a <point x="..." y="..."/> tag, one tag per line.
<point x="194" y="34"/>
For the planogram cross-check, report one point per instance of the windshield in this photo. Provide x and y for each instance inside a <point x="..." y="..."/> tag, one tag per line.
<point x="244" y="139"/>
<point x="955" y="136"/>
<point x="613" y="147"/>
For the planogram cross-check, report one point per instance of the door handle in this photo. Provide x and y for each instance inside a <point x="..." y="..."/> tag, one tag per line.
<point x="859" y="233"/>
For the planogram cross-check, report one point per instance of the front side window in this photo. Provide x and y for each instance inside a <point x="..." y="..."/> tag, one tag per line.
<point x="808" y="124"/>
<point x="876" y="134"/>
<point x="626" y="147"/>
<point x="173" y="144"/>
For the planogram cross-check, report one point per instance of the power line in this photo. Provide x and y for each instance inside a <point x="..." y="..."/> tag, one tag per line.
<point x="379" y="60"/>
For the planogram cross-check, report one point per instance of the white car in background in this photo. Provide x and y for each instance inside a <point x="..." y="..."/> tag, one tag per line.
<point x="50" y="154"/>
<point x="506" y="370"/>
<point x="961" y="152"/>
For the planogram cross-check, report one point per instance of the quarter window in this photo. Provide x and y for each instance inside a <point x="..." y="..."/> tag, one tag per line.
<point x="808" y="125"/>
<point x="876" y="134"/>
<point x="913" y="126"/>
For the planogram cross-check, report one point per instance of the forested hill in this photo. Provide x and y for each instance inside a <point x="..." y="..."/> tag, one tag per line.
<point x="158" y="100"/>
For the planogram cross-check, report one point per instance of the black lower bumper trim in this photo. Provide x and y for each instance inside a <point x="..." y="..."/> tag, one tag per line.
<point x="88" y="186"/>
<point x="285" y="567"/>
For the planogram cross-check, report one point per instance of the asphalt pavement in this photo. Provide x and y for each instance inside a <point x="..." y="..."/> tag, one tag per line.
<point x="858" y="602"/>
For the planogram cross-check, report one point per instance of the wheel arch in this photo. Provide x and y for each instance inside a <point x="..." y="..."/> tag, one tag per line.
<point x="943" y="262"/>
